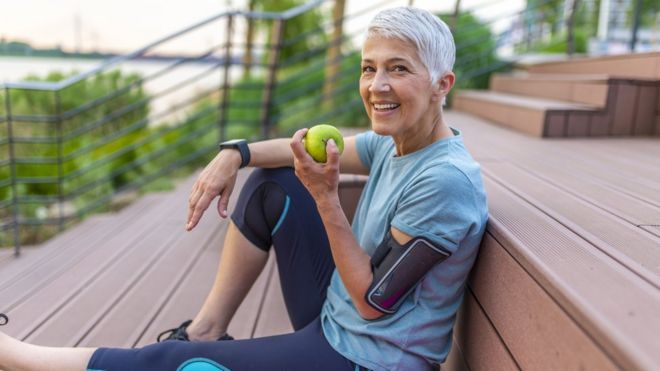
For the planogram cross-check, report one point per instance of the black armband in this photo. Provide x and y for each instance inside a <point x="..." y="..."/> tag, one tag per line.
<point x="397" y="269"/>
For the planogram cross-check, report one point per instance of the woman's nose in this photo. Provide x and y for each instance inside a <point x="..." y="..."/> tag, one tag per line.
<point x="380" y="83"/>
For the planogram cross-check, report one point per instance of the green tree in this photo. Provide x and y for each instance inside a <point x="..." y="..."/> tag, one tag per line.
<point x="294" y="27"/>
<point x="475" y="51"/>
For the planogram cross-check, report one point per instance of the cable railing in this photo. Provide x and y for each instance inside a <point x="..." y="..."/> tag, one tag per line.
<point x="63" y="157"/>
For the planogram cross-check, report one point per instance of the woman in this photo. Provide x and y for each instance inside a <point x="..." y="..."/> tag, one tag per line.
<point x="424" y="197"/>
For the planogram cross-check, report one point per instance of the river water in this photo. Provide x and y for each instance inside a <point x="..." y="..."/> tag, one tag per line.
<point x="16" y="69"/>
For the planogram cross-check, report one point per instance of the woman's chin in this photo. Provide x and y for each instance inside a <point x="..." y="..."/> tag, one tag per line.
<point x="381" y="128"/>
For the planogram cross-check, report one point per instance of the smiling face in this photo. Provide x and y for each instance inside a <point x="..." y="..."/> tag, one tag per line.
<point x="396" y="89"/>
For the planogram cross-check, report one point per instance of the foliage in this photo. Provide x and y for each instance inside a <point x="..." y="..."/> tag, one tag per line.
<point x="294" y="27"/>
<point x="558" y="43"/>
<point x="649" y="13"/>
<point x="475" y="52"/>
<point x="547" y="11"/>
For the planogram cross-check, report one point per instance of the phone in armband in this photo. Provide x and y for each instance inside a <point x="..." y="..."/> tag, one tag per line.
<point x="397" y="269"/>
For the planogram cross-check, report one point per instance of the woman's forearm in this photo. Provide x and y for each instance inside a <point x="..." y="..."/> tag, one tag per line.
<point x="352" y="262"/>
<point x="271" y="153"/>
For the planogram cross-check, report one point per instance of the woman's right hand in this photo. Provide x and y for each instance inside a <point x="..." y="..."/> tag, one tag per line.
<point x="217" y="179"/>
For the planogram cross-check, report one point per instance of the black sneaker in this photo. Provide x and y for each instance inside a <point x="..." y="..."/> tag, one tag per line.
<point x="3" y="319"/>
<point x="181" y="334"/>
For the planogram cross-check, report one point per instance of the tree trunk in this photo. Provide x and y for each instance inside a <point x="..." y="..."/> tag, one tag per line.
<point x="570" y="36"/>
<point x="333" y="62"/>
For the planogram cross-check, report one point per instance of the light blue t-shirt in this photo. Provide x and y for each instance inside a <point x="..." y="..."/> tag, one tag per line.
<point x="435" y="192"/>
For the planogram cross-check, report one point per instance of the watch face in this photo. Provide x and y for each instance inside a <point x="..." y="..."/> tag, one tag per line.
<point x="232" y="142"/>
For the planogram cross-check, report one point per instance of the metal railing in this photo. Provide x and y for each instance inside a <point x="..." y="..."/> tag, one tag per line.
<point x="76" y="145"/>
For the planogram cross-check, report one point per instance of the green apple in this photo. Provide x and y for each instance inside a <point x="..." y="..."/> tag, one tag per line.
<point x="316" y="139"/>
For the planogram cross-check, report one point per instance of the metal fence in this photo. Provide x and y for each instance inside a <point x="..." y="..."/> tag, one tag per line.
<point x="79" y="144"/>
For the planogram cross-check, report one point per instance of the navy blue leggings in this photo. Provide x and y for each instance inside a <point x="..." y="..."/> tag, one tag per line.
<point x="274" y="209"/>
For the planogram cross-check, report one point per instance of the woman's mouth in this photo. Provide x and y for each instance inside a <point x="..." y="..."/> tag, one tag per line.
<point x="385" y="107"/>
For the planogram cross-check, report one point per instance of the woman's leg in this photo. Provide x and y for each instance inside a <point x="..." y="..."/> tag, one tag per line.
<point x="19" y="356"/>
<point x="305" y="349"/>
<point x="273" y="209"/>
<point x="240" y="265"/>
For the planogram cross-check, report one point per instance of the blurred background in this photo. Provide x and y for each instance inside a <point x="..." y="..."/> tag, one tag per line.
<point x="102" y="101"/>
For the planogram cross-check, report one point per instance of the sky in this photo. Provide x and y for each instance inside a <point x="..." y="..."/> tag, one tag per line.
<point x="125" y="25"/>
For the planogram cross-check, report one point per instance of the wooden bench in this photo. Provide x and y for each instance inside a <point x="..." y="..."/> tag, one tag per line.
<point x="568" y="272"/>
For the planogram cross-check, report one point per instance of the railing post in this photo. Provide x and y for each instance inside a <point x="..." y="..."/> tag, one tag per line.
<point x="249" y="36"/>
<point x="224" y="95"/>
<point x="13" y="175"/>
<point x="60" y="155"/>
<point x="273" y="64"/>
<point x="636" y="21"/>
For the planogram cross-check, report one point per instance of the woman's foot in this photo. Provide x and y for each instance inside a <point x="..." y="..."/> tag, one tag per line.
<point x="187" y="332"/>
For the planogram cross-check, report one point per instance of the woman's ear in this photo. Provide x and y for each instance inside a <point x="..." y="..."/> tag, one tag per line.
<point x="443" y="86"/>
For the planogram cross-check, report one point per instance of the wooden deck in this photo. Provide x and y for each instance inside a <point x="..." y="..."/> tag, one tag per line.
<point x="568" y="276"/>
<point x="120" y="279"/>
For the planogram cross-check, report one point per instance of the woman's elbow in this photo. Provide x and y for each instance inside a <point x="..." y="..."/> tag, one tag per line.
<point x="368" y="313"/>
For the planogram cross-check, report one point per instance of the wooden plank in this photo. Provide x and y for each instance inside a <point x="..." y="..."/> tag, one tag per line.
<point x="555" y="125"/>
<point x="67" y="246"/>
<point x="590" y="93"/>
<point x="578" y="124"/>
<point x="653" y="229"/>
<point x="85" y="298"/>
<point x="614" y="306"/>
<point x="479" y="343"/>
<point x="579" y="156"/>
<point x="599" y="125"/>
<point x="622" y="241"/>
<point x="184" y="302"/>
<point x="624" y="108"/>
<point x="32" y="297"/>
<point x="537" y="332"/>
<point x="125" y="320"/>
<point x="641" y="65"/>
<point x="646" y="109"/>
<point x="628" y="208"/>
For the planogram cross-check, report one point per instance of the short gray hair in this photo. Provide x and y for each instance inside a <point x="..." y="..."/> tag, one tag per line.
<point x="430" y="35"/>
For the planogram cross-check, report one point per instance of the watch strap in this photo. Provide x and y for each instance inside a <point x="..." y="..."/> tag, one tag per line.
<point x="242" y="146"/>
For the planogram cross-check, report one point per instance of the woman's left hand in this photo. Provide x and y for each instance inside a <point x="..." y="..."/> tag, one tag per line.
<point x="321" y="180"/>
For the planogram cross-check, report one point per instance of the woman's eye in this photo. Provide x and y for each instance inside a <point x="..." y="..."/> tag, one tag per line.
<point x="399" y="68"/>
<point x="367" y="69"/>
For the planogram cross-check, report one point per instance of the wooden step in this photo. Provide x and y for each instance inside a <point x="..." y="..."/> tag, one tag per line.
<point x="534" y="116"/>
<point x="637" y="65"/>
<point x="585" y="89"/>
<point x="569" y="272"/>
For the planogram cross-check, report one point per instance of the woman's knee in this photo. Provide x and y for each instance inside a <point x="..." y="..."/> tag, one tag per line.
<point x="262" y="202"/>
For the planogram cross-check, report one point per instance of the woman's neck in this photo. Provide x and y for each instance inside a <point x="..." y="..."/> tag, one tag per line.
<point x="426" y="135"/>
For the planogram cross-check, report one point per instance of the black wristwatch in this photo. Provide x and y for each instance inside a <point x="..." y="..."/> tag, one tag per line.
<point x="242" y="146"/>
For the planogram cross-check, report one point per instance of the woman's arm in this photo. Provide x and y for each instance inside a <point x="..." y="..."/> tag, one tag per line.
<point x="350" y="160"/>
<point x="219" y="176"/>
<point x="352" y="262"/>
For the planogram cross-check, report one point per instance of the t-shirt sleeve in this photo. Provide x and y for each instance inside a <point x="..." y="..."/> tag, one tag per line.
<point x="367" y="144"/>
<point x="441" y="206"/>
